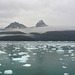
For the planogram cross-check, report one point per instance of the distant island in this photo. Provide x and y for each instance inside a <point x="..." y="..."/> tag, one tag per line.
<point x="40" y="32"/>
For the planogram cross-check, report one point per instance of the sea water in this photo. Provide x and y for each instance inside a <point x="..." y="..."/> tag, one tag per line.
<point x="37" y="58"/>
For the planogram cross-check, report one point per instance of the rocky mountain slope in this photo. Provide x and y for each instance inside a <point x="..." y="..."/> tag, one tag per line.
<point x="41" y="24"/>
<point x="16" y="25"/>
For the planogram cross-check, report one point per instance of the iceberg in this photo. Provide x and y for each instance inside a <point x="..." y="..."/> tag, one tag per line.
<point x="2" y="52"/>
<point x="61" y="59"/>
<point x="66" y="74"/>
<point x="64" y="67"/>
<point x="72" y="54"/>
<point x="8" y="72"/>
<point x="60" y="51"/>
<point x="31" y="48"/>
<point x="34" y="53"/>
<point x="22" y="53"/>
<point x="0" y="72"/>
<point x="27" y="65"/>
<point x="23" y="59"/>
<point x="70" y="51"/>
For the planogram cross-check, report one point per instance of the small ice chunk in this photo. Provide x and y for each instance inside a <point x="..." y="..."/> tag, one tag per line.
<point x="70" y="51"/>
<point x="61" y="59"/>
<point x="14" y="54"/>
<point x="0" y="72"/>
<point x="53" y="48"/>
<point x="66" y="74"/>
<point x="22" y="53"/>
<point x="17" y="48"/>
<point x="34" y="53"/>
<point x="27" y="65"/>
<point x="72" y="54"/>
<point x="8" y="72"/>
<point x="64" y="67"/>
<point x="72" y="45"/>
<point x="9" y="55"/>
<point x="73" y="58"/>
<point x="22" y="59"/>
<point x="2" y="52"/>
<point x="31" y="48"/>
<point x="60" y="51"/>
<point x="25" y="56"/>
<point x="66" y="55"/>
<point x="0" y="64"/>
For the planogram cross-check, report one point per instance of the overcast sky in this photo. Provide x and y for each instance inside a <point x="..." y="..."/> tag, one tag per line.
<point x="29" y="12"/>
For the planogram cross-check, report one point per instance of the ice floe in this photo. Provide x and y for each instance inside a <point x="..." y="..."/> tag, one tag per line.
<point x="34" y="53"/>
<point x="23" y="59"/>
<point x="70" y="51"/>
<point x="8" y="72"/>
<point x="66" y="74"/>
<point x="66" y="55"/>
<point x="0" y="64"/>
<point x="31" y="48"/>
<point x="72" y="54"/>
<point x="60" y="51"/>
<point x="61" y="59"/>
<point x="27" y="65"/>
<point x="2" y="52"/>
<point x="53" y="48"/>
<point x="64" y="67"/>
<point x="0" y="72"/>
<point x="22" y="53"/>
<point x="20" y="59"/>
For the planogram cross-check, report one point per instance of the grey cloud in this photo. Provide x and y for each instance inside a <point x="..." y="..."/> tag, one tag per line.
<point x="53" y="12"/>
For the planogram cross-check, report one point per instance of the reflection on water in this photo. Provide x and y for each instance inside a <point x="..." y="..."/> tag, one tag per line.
<point x="37" y="58"/>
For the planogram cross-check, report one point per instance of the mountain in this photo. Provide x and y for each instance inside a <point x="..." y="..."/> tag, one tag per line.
<point x="41" y="24"/>
<point x="47" y="36"/>
<point x="16" y="25"/>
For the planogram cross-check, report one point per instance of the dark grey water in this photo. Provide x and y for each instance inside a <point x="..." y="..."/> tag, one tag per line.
<point x="37" y="58"/>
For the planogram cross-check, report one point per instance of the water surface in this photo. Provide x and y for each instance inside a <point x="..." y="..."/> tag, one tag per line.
<point x="37" y="58"/>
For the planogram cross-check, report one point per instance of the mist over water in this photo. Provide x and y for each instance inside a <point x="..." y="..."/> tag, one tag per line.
<point x="37" y="58"/>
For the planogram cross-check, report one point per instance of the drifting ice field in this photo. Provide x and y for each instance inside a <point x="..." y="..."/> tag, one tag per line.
<point x="37" y="58"/>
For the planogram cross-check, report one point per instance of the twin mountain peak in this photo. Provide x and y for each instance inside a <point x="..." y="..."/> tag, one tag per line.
<point x="21" y="26"/>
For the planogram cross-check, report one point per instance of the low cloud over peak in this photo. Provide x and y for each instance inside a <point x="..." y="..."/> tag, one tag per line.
<point x="54" y="12"/>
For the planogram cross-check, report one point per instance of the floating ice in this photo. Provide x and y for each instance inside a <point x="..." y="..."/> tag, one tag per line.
<point x="53" y="48"/>
<point x="22" y="53"/>
<point x="31" y="48"/>
<point x="2" y="52"/>
<point x="0" y="72"/>
<point x="60" y="51"/>
<point x="34" y="53"/>
<point x="61" y="59"/>
<point x="25" y="56"/>
<point x="9" y="55"/>
<point x="73" y="58"/>
<point x="14" y="54"/>
<point x="66" y="55"/>
<point x="8" y="72"/>
<point x="70" y="51"/>
<point x="64" y="67"/>
<point x="27" y="65"/>
<point x="66" y="74"/>
<point x="72" y="54"/>
<point x="0" y="64"/>
<point x="17" y="48"/>
<point x="72" y="45"/>
<point x="23" y="59"/>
